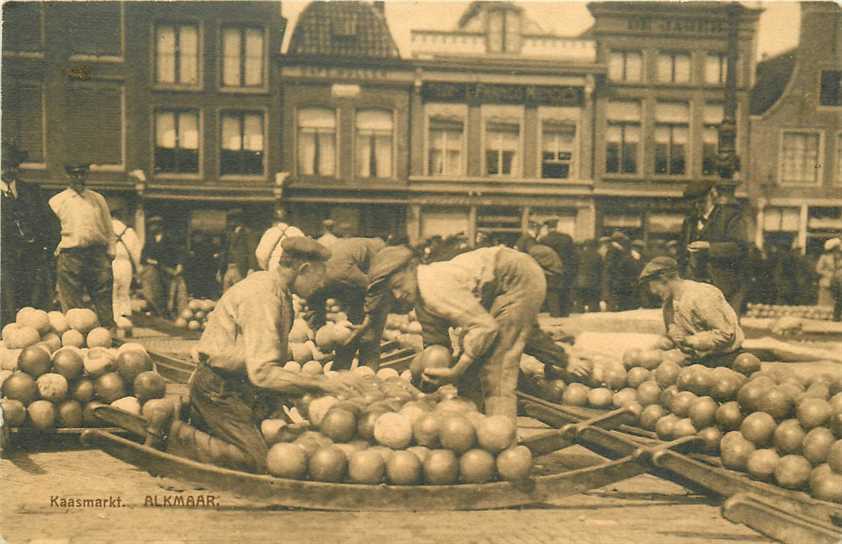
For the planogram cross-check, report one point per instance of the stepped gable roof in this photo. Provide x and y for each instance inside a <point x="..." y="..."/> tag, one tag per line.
<point x="343" y="29"/>
<point x="772" y="77"/>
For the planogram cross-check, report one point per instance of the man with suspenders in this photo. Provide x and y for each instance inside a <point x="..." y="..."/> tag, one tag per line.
<point x="126" y="260"/>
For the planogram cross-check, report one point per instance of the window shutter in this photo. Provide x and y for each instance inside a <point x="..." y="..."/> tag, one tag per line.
<point x="95" y="28"/>
<point x="94" y="116"/>
<point x="25" y="19"/>
<point x="23" y="119"/>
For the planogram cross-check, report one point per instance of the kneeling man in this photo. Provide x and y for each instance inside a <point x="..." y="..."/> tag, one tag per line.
<point x="697" y="317"/>
<point x="240" y="368"/>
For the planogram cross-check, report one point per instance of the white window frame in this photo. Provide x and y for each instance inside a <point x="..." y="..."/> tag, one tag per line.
<point x="153" y="143"/>
<point x="641" y="144"/>
<point x="560" y="115"/>
<point x="337" y="158"/>
<point x="820" y="158"/>
<point x="705" y="126"/>
<point x="108" y="58"/>
<point x="625" y="52"/>
<point x="354" y="142"/>
<point x="42" y="42"/>
<point x="674" y="53"/>
<point x="723" y="68"/>
<point x="689" y="156"/>
<point x="153" y="54"/>
<point x="494" y="113"/>
<point x="446" y="111"/>
<point x="249" y="109"/>
<point x="261" y="89"/>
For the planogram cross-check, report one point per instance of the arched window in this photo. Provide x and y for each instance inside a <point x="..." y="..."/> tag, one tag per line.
<point x="317" y="142"/>
<point x="374" y="143"/>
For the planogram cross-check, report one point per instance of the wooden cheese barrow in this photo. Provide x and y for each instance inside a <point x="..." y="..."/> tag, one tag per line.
<point x="341" y="496"/>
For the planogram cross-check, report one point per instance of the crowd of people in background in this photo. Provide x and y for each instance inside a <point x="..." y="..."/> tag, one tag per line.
<point x="75" y="250"/>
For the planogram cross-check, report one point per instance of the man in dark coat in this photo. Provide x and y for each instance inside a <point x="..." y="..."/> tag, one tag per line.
<point x="238" y="257"/>
<point x="563" y="244"/>
<point x="28" y="237"/>
<point x="714" y="243"/>
<point x="163" y="262"/>
<point x="619" y="279"/>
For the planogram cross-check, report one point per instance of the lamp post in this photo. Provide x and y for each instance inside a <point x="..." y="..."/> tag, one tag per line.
<point x="727" y="159"/>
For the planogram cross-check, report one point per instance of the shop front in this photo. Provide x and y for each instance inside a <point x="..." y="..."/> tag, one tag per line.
<point x="641" y="219"/>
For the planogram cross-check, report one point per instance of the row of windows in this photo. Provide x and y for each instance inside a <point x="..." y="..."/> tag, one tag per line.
<point x="178" y="55"/>
<point x="317" y="143"/>
<point x="178" y="136"/>
<point x="672" y="138"/>
<point x="671" y="67"/>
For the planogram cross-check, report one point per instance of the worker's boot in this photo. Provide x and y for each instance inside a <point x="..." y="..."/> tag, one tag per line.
<point x="187" y="441"/>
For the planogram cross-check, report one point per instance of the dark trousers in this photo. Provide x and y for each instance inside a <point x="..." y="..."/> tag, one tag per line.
<point x="21" y="276"/>
<point x="86" y="270"/>
<point x="588" y="299"/>
<point x="553" y="302"/>
<point x="227" y="408"/>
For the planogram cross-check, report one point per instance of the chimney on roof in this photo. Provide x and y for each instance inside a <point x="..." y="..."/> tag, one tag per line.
<point x="381" y="7"/>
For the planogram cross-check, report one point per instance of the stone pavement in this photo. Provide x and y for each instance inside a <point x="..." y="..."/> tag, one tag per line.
<point x="641" y="510"/>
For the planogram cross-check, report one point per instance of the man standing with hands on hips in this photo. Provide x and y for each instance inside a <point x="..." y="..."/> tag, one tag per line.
<point x="714" y="245"/>
<point x="87" y="246"/>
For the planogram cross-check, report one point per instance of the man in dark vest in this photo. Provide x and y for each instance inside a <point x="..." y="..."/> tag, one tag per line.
<point x="27" y="240"/>
<point x="714" y="242"/>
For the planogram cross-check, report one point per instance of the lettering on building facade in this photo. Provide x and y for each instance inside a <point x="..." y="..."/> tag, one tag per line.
<point x="483" y="93"/>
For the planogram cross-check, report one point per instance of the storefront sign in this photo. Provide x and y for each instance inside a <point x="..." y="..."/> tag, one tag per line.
<point x="484" y="93"/>
<point x="333" y="72"/>
<point x="675" y="26"/>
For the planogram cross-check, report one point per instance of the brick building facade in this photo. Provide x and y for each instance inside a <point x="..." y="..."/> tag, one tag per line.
<point x="796" y="135"/>
<point x="345" y="95"/>
<point x="186" y="97"/>
<point x="476" y="128"/>
<point x="660" y="106"/>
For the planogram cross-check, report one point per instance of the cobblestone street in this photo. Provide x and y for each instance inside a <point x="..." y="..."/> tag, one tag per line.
<point x="641" y="510"/>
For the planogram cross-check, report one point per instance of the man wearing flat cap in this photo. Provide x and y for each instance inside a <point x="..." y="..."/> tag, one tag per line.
<point x="87" y="246"/>
<point x="697" y="317"/>
<point x="28" y="238"/>
<point x="493" y="295"/>
<point x="240" y="377"/>
<point x="714" y="242"/>
<point x="346" y="279"/>
<point x="238" y="254"/>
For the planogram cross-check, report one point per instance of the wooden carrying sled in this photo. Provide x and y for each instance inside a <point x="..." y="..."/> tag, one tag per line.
<point x="338" y="496"/>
